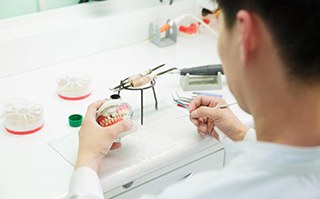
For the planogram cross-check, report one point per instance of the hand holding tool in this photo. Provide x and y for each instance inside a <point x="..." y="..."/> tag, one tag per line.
<point x="221" y="106"/>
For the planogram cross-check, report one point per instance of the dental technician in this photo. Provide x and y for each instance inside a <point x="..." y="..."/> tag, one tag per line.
<point x="270" y="51"/>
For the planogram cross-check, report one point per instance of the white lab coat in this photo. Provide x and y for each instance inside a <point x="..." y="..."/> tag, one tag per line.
<point x="255" y="170"/>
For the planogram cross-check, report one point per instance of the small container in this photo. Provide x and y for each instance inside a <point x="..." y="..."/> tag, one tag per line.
<point x="113" y="111"/>
<point x="75" y="120"/>
<point x="22" y="118"/>
<point x="74" y="86"/>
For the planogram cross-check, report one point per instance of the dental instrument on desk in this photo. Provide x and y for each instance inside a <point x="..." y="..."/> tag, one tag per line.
<point x="205" y="70"/>
<point x="183" y="98"/>
<point x="146" y="77"/>
<point x="211" y="69"/>
<point x="180" y="102"/>
<point x="126" y="81"/>
<point x="139" y="80"/>
<point x="184" y="101"/>
<point x="207" y="77"/>
<point x="208" y="94"/>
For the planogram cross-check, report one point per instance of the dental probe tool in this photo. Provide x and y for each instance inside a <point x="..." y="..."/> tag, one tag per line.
<point x="224" y="105"/>
<point x="219" y="106"/>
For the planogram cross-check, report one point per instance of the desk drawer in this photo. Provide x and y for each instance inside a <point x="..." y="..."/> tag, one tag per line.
<point x="154" y="182"/>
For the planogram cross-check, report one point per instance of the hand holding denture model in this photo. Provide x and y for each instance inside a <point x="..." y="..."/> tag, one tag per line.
<point x="113" y="111"/>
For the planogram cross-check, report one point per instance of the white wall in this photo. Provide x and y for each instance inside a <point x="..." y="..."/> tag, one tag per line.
<point x="44" y="39"/>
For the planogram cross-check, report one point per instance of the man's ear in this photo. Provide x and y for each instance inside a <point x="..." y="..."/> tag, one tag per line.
<point x="248" y="37"/>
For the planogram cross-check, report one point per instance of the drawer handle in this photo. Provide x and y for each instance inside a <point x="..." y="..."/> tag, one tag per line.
<point x="187" y="176"/>
<point x="128" y="185"/>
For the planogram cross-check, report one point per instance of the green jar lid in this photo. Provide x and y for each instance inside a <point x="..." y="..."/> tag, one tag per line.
<point x="75" y="120"/>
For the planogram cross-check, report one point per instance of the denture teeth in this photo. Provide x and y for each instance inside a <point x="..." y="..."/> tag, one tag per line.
<point x="118" y="112"/>
<point x="112" y="117"/>
<point x="104" y="122"/>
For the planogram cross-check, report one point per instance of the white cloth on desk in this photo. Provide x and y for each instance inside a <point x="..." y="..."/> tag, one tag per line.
<point x="256" y="170"/>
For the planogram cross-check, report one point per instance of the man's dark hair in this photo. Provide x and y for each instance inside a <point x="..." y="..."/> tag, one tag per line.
<point x="295" y="28"/>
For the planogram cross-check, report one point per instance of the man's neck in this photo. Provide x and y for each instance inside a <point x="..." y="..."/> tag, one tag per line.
<point x="293" y="120"/>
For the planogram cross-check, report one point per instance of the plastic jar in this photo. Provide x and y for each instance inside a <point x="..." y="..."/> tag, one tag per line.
<point x="22" y="117"/>
<point x="74" y="86"/>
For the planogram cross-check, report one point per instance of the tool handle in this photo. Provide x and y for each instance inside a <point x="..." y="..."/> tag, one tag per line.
<point x="141" y="81"/>
<point x="202" y="70"/>
<point x="135" y="77"/>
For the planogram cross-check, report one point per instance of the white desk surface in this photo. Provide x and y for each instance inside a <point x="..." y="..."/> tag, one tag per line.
<point x="30" y="168"/>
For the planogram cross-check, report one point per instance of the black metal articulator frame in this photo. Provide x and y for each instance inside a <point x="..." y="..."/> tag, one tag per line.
<point x="152" y="84"/>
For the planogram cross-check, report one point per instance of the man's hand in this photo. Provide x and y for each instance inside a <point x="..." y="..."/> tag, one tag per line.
<point x="95" y="141"/>
<point x="205" y="118"/>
